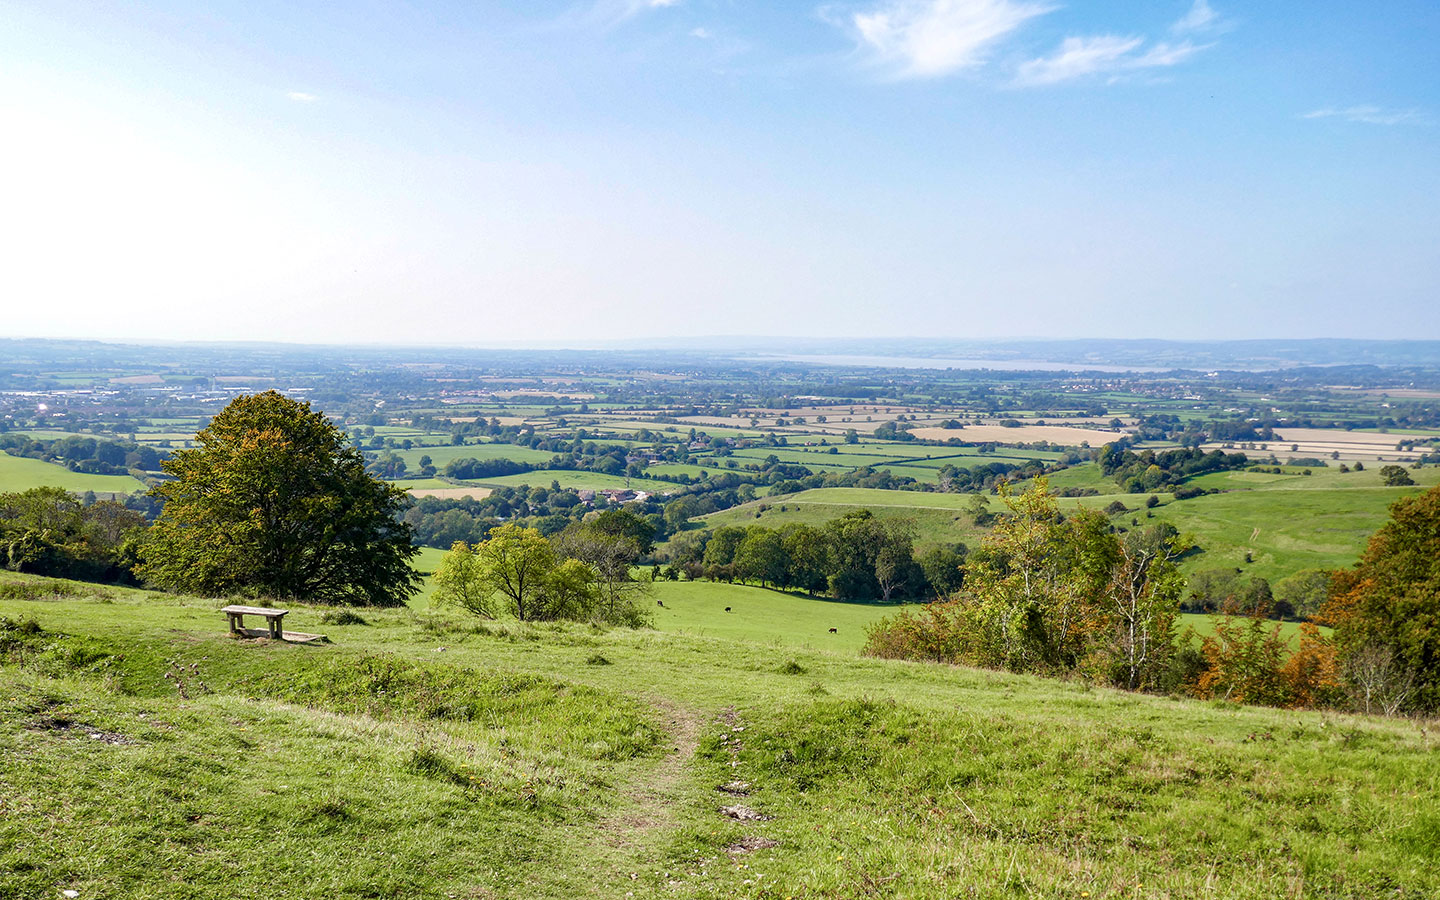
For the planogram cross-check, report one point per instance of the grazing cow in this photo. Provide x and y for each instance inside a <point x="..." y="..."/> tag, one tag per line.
<point x="659" y="602"/>
<point x="834" y="631"/>
<point x="727" y="609"/>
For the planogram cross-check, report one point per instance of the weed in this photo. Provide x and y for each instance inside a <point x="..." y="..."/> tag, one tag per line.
<point x="343" y="617"/>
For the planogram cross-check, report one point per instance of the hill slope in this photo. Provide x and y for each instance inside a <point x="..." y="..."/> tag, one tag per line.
<point x="420" y="756"/>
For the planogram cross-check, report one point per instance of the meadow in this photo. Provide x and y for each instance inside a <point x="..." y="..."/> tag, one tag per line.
<point x="144" y="753"/>
<point x="18" y="473"/>
<point x="1284" y="523"/>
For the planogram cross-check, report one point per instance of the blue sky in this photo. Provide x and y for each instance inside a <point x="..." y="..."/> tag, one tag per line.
<point x="481" y="173"/>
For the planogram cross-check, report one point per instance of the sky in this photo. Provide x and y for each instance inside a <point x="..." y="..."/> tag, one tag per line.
<point x="488" y="173"/>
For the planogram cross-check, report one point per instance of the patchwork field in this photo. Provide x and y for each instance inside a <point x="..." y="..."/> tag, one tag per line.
<point x="1028" y="434"/>
<point x="1362" y="445"/>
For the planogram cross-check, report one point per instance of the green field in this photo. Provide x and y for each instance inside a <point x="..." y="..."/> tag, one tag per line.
<point x="938" y="518"/>
<point x="568" y="478"/>
<point x="20" y="473"/>
<point x="670" y="470"/>
<point x="440" y="455"/>
<point x="145" y="754"/>
<point x="763" y="616"/>
<point x="1285" y="522"/>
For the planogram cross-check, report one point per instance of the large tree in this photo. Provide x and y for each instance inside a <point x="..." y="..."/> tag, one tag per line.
<point x="274" y="501"/>
<point x="1386" y="610"/>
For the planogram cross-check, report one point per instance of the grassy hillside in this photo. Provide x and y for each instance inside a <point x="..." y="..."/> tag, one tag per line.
<point x="763" y="616"/>
<point x="427" y="756"/>
<point x="938" y="517"/>
<point x="18" y="473"/>
<point x="1285" y="522"/>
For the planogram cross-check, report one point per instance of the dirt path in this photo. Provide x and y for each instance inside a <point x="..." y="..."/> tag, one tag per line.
<point x="651" y="802"/>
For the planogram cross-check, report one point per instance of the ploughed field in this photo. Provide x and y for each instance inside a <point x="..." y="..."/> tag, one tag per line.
<point x="144" y="753"/>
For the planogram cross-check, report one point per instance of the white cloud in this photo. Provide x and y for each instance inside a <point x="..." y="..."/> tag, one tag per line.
<point x="612" y="12"/>
<point x="1077" y="57"/>
<point x="1371" y="115"/>
<point x="929" y="38"/>
<point x="1164" y="54"/>
<point x="1104" y="54"/>
<point x="701" y="33"/>
<point x="301" y="97"/>
<point x="1200" y="18"/>
<point x="628" y="8"/>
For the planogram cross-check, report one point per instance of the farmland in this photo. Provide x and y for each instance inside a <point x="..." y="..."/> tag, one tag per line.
<point x="427" y="752"/>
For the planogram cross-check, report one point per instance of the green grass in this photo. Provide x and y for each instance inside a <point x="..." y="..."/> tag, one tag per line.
<point x="20" y="473"/>
<point x="431" y="755"/>
<point x="938" y="518"/>
<point x="574" y="479"/>
<point x="763" y="616"/>
<point x="423" y="483"/>
<point x="439" y="456"/>
<point x="1285" y="523"/>
<point x="670" y="470"/>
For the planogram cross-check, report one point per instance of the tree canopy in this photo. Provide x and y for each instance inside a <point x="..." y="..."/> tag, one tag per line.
<point x="274" y="501"/>
<point x="1388" y="607"/>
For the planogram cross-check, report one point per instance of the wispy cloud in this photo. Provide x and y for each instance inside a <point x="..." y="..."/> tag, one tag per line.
<point x="1371" y="115"/>
<point x="302" y="97"/>
<point x="701" y="33"/>
<point x="930" y="38"/>
<point x="1079" y="57"/>
<point x="613" y="12"/>
<point x="1200" y="18"/>
<point x="1115" y="55"/>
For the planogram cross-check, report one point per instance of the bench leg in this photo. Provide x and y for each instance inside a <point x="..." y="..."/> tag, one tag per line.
<point x="236" y="623"/>
<point x="275" y="629"/>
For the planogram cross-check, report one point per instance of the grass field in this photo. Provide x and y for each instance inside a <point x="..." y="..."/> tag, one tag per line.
<point x="1285" y="523"/>
<point x="145" y="754"/>
<point x="938" y="518"/>
<point x="439" y="456"/>
<point x="19" y="473"/>
<point x="574" y="479"/>
<point x="763" y="616"/>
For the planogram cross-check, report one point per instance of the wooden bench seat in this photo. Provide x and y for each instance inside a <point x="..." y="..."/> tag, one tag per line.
<point x="273" y="619"/>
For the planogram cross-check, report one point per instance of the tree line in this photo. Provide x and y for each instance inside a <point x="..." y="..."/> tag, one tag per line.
<point x="858" y="557"/>
<point x="1069" y="595"/>
<point x="83" y="454"/>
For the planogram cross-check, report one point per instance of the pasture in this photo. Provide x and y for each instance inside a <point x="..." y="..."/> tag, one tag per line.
<point x="1284" y="522"/>
<point x="424" y="753"/>
<point x="568" y="478"/>
<point x="939" y="518"/>
<point x="19" y="473"/>
<point x="762" y="616"/>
